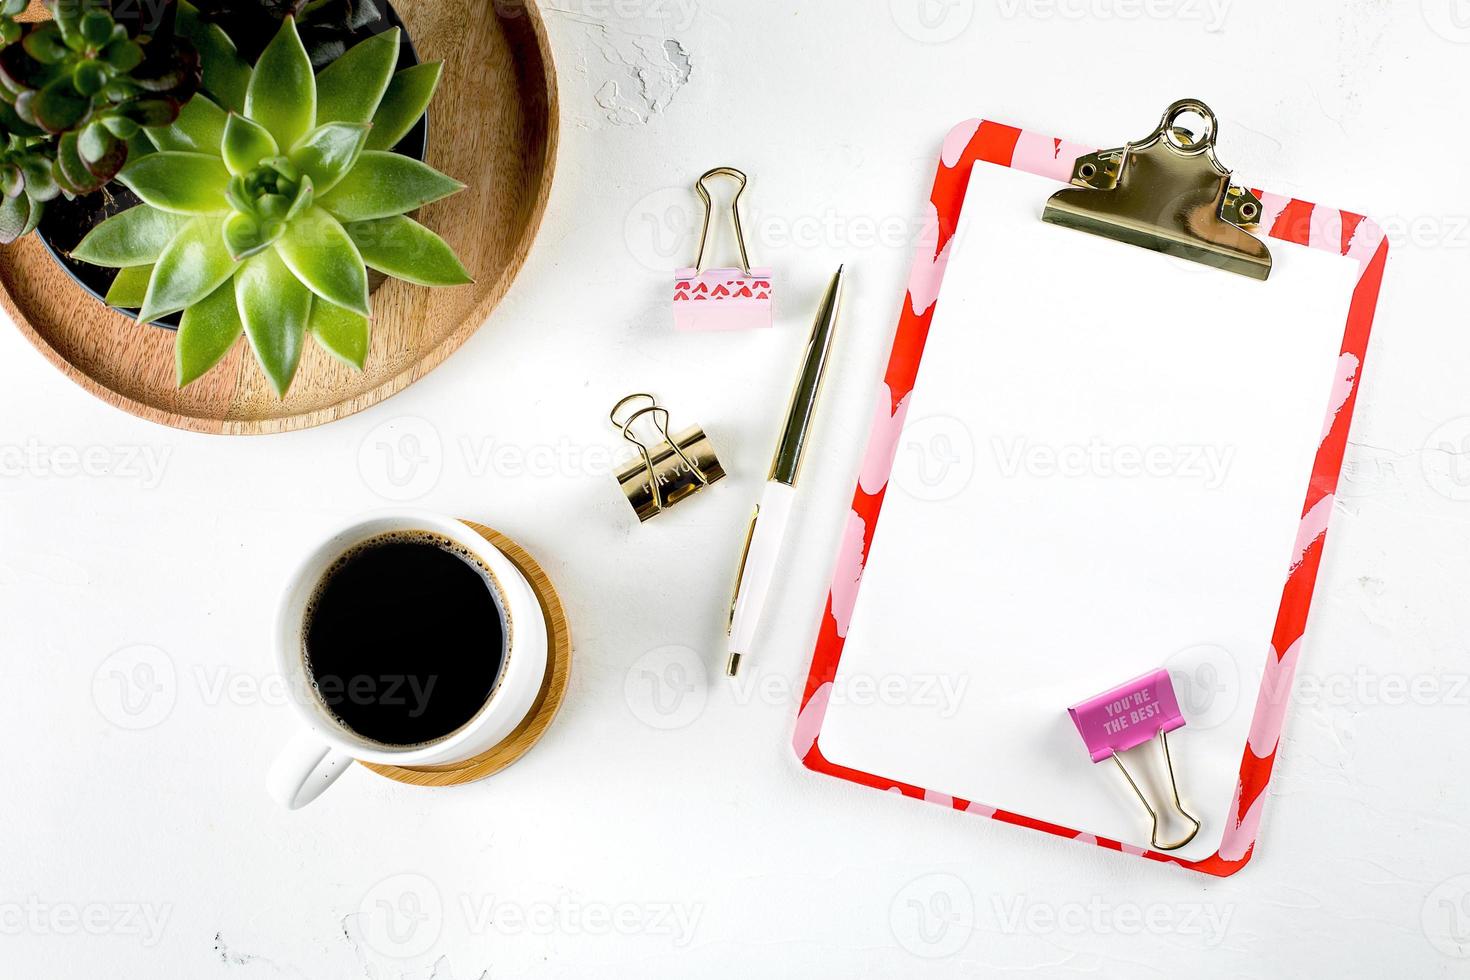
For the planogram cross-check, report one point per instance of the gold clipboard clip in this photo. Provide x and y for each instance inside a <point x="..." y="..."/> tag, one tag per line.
<point x="1167" y="192"/>
<point x="676" y="466"/>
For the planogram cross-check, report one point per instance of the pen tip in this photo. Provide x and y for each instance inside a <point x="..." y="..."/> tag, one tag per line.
<point x="732" y="666"/>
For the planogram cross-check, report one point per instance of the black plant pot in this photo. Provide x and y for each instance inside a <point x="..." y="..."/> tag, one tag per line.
<point x="66" y="223"/>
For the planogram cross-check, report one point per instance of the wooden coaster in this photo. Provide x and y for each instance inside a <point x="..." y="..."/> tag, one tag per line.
<point x="529" y="732"/>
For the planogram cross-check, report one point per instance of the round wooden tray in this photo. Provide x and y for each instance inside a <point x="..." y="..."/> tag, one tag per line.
<point x="548" y="702"/>
<point x="492" y="125"/>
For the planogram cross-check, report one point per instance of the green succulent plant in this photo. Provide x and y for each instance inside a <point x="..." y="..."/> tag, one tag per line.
<point x="268" y="224"/>
<point x="76" y="92"/>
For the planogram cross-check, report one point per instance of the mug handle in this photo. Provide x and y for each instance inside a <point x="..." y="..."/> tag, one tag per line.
<point x="304" y="769"/>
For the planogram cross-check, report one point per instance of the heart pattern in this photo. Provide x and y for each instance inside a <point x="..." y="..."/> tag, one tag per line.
<point x="721" y="285"/>
<point x="976" y="142"/>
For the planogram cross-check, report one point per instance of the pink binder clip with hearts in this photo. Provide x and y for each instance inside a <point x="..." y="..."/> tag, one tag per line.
<point x="721" y="298"/>
<point x="1127" y="716"/>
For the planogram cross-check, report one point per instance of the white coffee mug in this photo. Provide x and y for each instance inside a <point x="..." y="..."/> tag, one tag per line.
<point x="314" y="759"/>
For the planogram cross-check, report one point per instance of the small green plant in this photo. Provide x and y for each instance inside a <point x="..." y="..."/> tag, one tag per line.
<point x="271" y="231"/>
<point x="75" y="94"/>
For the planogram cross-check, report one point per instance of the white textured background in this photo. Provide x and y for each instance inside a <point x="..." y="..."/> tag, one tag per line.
<point x="663" y="828"/>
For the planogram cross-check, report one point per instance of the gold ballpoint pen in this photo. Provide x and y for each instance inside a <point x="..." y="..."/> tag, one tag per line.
<point x="768" y="524"/>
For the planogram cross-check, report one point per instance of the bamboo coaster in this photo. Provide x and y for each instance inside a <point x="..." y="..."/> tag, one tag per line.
<point x="529" y="732"/>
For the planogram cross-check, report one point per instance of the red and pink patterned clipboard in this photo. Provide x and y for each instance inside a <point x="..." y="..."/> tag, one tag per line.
<point x="1286" y="219"/>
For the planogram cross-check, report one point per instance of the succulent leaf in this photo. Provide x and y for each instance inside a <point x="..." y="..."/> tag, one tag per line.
<point x="327" y="153"/>
<point x="320" y="253"/>
<point x="404" y="249"/>
<point x="226" y="74"/>
<point x="40" y="181"/>
<point x="18" y="217"/>
<point x="10" y="121"/>
<point x="305" y="198"/>
<point x="130" y="287"/>
<point x="245" y="144"/>
<point x="404" y="102"/>
<point x="191" y="267"/>
<point x="133" y="237"/>
<point x="185" y="183"/>
<point x="275" y="308"/>
<point x="199" y="128"/>
<point x="151" y="112"/>
<point x="58" y="107"/>
<point x="382" y="184"/>
<point x="71" y="170"/>
<point x="282" y="92"/>
<point x="94" y="143"/>
<point x="105" y="156"/>
<point x="244" y="235"/>
<point x="343" y="333"/>
<point x="207" y="331"/>
<point x="123" y="55"/>
<point x="350" y="88"/>
<point x="45" y="44"/>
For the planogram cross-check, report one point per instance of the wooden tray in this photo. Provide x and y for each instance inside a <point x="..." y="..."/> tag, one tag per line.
<point x="492" y="125"/>
<point x="548" y="702"/>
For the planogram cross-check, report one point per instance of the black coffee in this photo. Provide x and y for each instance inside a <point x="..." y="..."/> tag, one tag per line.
<point x="403" y="639"/>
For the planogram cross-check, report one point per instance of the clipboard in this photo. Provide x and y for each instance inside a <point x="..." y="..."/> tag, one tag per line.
<point x="1056" y="334"/>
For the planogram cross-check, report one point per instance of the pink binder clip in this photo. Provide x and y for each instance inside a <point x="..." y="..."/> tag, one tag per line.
<point x="721" y="299"/>
<point x="1126" y="717"/>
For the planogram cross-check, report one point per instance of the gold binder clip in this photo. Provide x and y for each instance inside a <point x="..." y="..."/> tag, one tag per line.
<point x="677" y="466"/>
<point x="1168" y="193"/>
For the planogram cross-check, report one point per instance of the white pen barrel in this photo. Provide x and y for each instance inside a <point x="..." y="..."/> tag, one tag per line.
<point x="760" y="564"/>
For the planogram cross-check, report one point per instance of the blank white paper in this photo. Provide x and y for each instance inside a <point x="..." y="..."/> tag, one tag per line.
<point x="1101" y="472"/>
